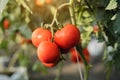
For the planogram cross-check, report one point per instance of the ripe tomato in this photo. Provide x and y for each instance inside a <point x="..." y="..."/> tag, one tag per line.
<point x="48" y="52"/>
<point x="40" y="35"/>
<point x="6" y="24"/>
<point x="86" y="54"/>
<point x="48" y="1"/>
<point x="39" y="2"/>
<point x="50" y="64"/>
<point x="95" y="29"/>
<point x="67" y="37"/>
<point x="75" y="54"/>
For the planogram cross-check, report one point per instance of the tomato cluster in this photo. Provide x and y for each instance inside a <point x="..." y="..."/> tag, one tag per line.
<point x="50" y="48"/>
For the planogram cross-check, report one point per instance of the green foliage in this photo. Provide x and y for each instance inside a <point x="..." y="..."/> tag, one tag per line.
<point x="25" y="16"/>
<point x="112" y="5"/>
<point x="2" y="5"/>
<point x="39" y="67"/>
<point x="105" y="14"/>
<point x="25" y="31"/>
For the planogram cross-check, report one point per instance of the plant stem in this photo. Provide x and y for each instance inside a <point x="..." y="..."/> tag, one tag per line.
<point x="55" y="16"/>
<point x="79" y="49"/>
<point x="60" y="71"/>
<point x="13" y="60"/>
<point x="72" y="12"/>
<point x="89" y="6"/>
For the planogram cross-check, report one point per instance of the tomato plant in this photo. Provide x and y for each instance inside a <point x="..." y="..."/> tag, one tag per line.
<point x="66" y="24"/>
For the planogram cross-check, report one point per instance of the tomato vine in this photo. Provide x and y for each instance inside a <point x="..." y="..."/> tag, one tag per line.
<point x="53" y="15"/>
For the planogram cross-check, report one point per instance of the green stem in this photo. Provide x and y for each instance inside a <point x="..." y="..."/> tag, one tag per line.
<point x="55" y="17"/>
<point x="78" y="47"/>
<point x="72" y="12"/>
<point x="86" y="65"/>
<point x="55" y="14"/>
<point x="60" y="71"/>
<point x="89" y="6"/>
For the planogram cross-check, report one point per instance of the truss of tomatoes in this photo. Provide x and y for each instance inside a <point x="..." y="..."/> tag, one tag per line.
<point x="49" y="51"/>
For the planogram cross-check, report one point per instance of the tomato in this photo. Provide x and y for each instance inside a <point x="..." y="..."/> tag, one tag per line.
<point x="48" y="1"/>
<point x="39" y="2"/>
<point x="50" y="64"/>
<point x="95" y="29"/>
<point x="67" y="37"/>
<point x="6" y="24"/>
<point x="48" y="52"/>
<point x="75" y="54"/>
<point x="40" y="35"/>
<point x="86" y="54"/>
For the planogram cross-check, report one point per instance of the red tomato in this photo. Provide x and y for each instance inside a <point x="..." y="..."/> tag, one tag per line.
<point x="95" y="29"/>
<point x="40" y="35"/>
<point x="6" y="24"/>
<point x="67" y="37"/>
<point x="48" y="1"/>
<point x="39" y="2"/>
<point x="50" y="64"/>
<point x="87" y="54"/>
<point x="48" y="52"/>
<point x="75" y="54"/>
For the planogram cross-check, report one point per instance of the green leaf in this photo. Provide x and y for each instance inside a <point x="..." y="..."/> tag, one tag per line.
<point x="3" y="4"/>
<point x="85" y="14"/>
<point x="116" y="24"/>
<point x="37" y="66"/>
<point x="116" y="56"/>
<point x="112" y="5"/>
<point x="114" y="17"/>
<point x="25" y="30"/>
<point x="24" y="59"/>
<point x="109" y="67"/>
<point x="22" y="2"/>
<point x="4" y="44"/>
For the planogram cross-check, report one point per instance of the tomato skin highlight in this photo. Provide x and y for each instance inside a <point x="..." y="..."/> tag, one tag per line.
<point x="48" y="52"/>
<point x="40" y="35"/>
<point x="67" y="37"/>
